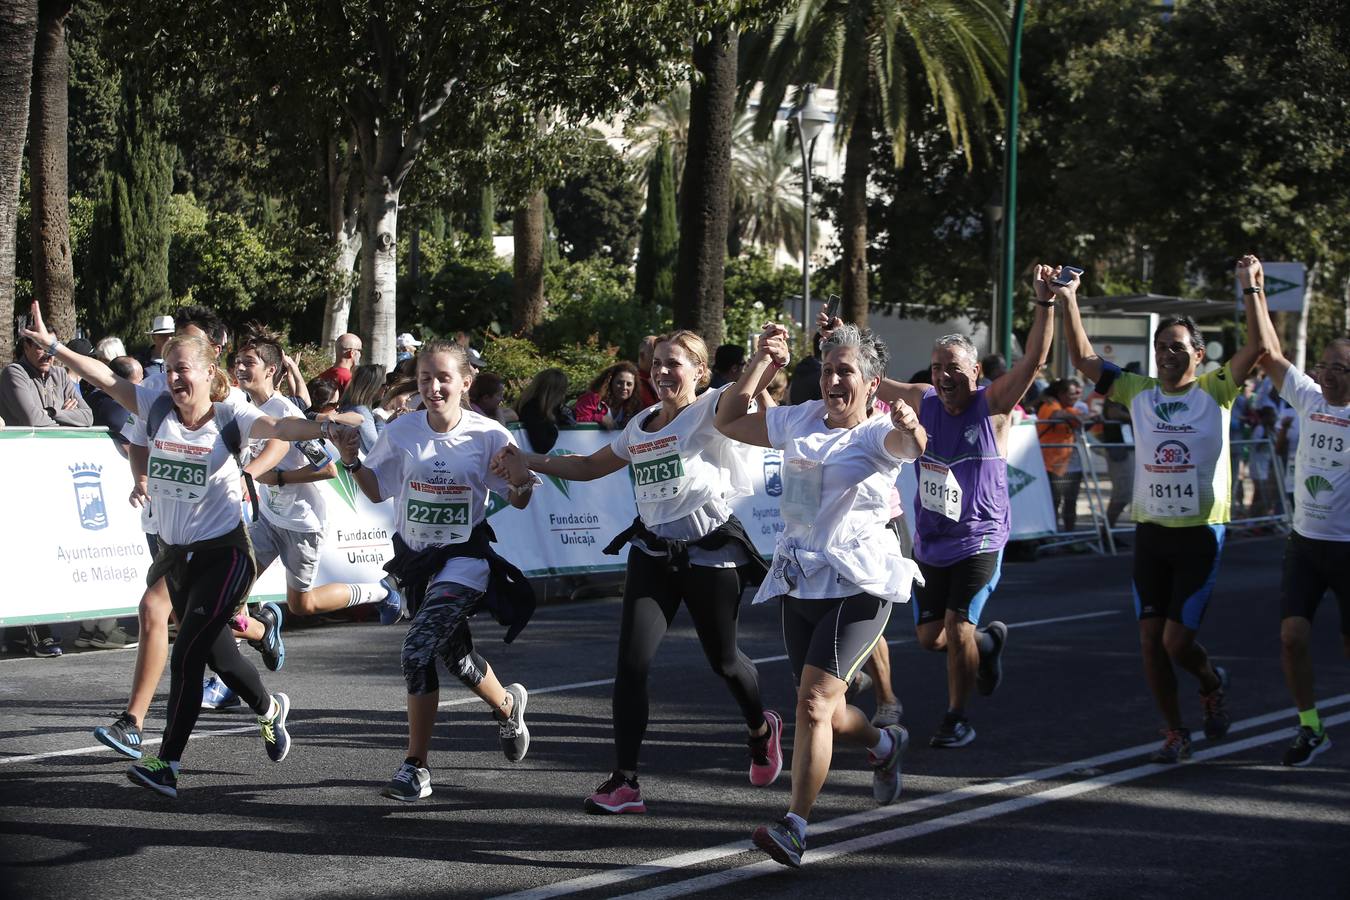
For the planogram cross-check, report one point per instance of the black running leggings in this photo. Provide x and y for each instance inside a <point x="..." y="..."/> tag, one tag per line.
<point x="213" y="584"/>
<point x="651" y="597"/>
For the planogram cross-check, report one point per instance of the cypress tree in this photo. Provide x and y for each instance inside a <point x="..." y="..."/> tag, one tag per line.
<point x="131" y="223"/>
<point x="659" y="248"/>
<point x="485" y="224"/>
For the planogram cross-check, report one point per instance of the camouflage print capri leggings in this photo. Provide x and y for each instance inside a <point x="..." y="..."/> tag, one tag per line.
<point x="441" y="628"/>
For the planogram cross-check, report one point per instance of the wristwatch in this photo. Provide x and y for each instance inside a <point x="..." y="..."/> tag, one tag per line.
<point x="353" y="466"/>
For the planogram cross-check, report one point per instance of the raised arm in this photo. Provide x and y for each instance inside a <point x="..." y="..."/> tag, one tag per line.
<point x="1010" y="387"/>
<point x="734" y="418"/>
<point x="1081" y="355"/>
<point x="1261" y="336"/>
<point x="907" y="439"/>
<point x="296" y="381"/>
<point x="87" y="368"/>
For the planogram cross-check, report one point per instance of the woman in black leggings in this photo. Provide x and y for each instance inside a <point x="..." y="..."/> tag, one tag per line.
<point x="204" y="556"/>
<point x="686" y="547"/>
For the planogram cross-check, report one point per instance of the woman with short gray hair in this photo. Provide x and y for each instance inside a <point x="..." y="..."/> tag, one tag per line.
<point x="837" y="568"/>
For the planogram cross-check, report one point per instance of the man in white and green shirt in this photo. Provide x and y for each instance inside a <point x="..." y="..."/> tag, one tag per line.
<point x="1317" y="554"/>
<point x="1182" y="495"/>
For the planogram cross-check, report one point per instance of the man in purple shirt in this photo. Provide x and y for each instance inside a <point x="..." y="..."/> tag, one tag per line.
<point x="962" y="518"/>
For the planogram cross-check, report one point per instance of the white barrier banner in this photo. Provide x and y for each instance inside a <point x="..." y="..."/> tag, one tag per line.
<point x="73" y="545"/>
<point x="77" y="552"/>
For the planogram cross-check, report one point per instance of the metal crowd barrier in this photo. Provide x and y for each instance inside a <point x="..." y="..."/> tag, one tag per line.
<point x="1101" y="536"/>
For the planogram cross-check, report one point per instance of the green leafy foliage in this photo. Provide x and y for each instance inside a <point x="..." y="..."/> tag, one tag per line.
<point x="593" y="301"/>
<point x="517" y="360"/>
<point x="595" y="210"/>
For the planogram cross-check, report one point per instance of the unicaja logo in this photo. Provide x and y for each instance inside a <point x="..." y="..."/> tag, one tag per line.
<point x="1165" y="411"/>
<point x="89" y="495"/>
<point x="1316" y="485"/>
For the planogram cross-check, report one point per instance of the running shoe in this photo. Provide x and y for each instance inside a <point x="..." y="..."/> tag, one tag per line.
<point x="115" y="638"/>
<point x="217" y="695"/>
<point x="955" y="731"/>
<point x="1176" y="747"/>
<point x="513" y="732"/>
<point x="616" y="795"/>
<point x="780" y="841"/>
<point x="276" y="739"/>
<point x="41" y="647"/>
<point x="411" y="782"/>
<point x="84" y="637"/>
<point x="154" y="773"/>
<point x="272" y="647"/>
<point x="1215" y="705"/>
<point x="122" y="735"/>
<point x="766" y="752"/>
<point x="391" y="607"/>
<point x="887" y="714"/>
<point x="990" y="674"/>
<point x="886" y="771"/>
<point x="1307" y="744"/>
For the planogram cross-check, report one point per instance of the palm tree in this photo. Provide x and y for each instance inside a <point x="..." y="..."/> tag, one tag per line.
<point x="885" y="59"/>
<point x="766" y="197"/>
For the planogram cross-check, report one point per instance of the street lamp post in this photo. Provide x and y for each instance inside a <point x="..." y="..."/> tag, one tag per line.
<point x="993" y="220"/>
<point x="809" y="121"/>
<point x="1010" y="175"/>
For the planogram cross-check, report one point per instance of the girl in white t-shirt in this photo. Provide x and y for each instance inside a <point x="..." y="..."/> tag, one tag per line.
<point x="437" y="464"/>
<point x="837" y="569"/>
<point x="204" y="551"/>
<point x="687" y="547"/>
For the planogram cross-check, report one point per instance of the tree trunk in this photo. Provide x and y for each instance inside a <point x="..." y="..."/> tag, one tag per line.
<point x="705" y="197"/>
<point x="527" y="296"/>
<point x="18" y="26"/>
<point x="53" y="270"/>
<point x="343" y="202"/>
<point x="853" y="221"/>
<point x="337" y="309"/>
<point x="379" y="271"/>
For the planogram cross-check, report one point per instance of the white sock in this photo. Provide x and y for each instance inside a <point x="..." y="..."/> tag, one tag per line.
<point x="799" y="823"/>
<point x="883" y="747"/>
<point x="274" y="710"/>
<point x="367" y="593"/>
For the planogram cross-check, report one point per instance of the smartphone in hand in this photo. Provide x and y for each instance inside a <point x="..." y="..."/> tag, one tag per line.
<point x="832" y="307"/>
<point x="1066" y="275"/>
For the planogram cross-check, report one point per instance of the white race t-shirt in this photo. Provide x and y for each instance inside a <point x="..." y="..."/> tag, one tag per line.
<point x="1322" y="465"/>
<point x="133" y="430"/>
<point x="441" y="482"/>
<point x="295" y="507"/>
<point x="193" y="479"/>
<point x="836" y="501"/>
<point x="684" y="476"/>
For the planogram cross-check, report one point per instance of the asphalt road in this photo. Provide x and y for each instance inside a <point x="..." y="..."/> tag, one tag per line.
<point x="1055" y="798"/>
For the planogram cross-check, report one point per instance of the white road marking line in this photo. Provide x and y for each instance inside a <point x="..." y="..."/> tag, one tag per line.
<point x="461" y="701"/>
<point x="966" y="817"/>
<point x="958" y="795"/>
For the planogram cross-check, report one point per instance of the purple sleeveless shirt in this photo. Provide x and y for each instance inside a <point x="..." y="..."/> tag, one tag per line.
<point x="965" y="445"/>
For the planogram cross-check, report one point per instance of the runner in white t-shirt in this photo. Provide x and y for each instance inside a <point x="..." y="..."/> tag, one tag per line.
<point x="123" y="734"/>
<point x="292" y="513"/>
<point x="1317" y="553"/>
<point x="194" y="482"/>
<point x="837" y="568"/>
<point x="687" y="548"/>
<point x="437" y="465"/>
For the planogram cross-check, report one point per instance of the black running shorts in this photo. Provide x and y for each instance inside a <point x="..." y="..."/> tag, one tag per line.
<point x="1311" y="568"/>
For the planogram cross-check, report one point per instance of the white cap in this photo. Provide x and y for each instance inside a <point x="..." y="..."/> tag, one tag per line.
<point x="161" y="325"/>
<point x="407" y="340"/>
